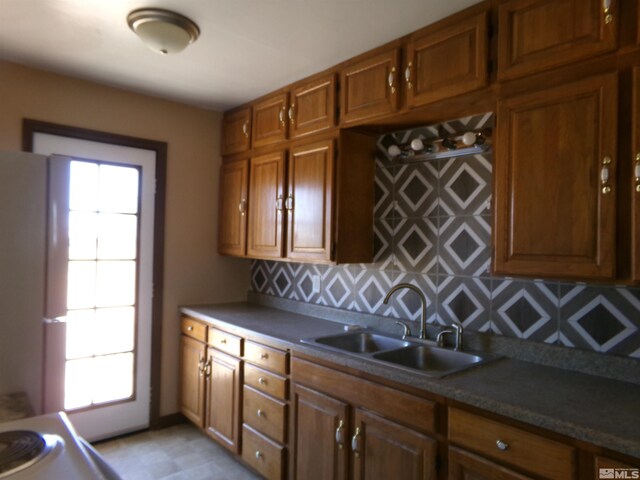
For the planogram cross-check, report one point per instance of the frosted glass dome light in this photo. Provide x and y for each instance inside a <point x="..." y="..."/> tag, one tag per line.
<point x="163" y="31"/>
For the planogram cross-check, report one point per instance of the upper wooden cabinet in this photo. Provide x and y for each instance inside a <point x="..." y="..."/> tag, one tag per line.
<point x="270" y="120"/>
<point x="232" y="221"/>
<point x="313" y="106"/>
<point x="309" y="201"/>
<point x="266" y="190"/>
<point x="535" y="35"/>
<point x="555" y="181"/>
<point x="634" y="176"/>
<point x="236" y="131"/>
<point x="447" y="61"/>
<point x="369" y="86"/>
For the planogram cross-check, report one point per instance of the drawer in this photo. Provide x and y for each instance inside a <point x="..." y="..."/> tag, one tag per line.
<point x="193" y="328"/>
<point x="275" y="360"/>
<point x="511" y="445"/>
<point x="264" y="455"/>
<point x="266" y="382"/>
<point x="265" y="414"/>
<point x="225" y="342"/>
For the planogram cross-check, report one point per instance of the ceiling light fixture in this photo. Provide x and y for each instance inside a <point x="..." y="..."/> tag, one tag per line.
<point x="163" y="31"/>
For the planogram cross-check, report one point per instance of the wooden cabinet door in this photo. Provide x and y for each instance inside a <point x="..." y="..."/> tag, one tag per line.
<point x="270" y="120"/>
<point x="635" y="180"/>
<point x="555" y="217"/>
<point x="313" y="106"/>
<point x="236" y="129"/>
<point x="223" y="399"/>
<point x="232" y="221"/>
<point x="192" y="382"/>
<point x="369" y="87"/>
<point x="266" y="191"/>
<point x="447" y="62"/>
<point x="382" y="449"/>
<point x="309" y="201"/>
<point x="467" y="466"/>
<point x="535" y="35"/>
<point x="320" y="436"/>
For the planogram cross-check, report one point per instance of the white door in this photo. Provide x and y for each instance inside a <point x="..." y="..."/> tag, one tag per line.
<point x="107" y="363"/>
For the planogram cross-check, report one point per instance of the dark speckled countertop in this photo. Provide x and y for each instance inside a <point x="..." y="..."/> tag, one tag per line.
<point x="586" y="407"/>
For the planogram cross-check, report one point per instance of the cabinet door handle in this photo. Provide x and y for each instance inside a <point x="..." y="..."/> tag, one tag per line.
<point x="242" y="206"/>
<point x="279" y="203"/>
<point x="245" y="128"/>
<point x="503" y="446"/>
<point x="391" y="80"/>
<point x="636" y="172"/>
<point x="606" y="10"/>
<point x="407" y="75"/>
<point x="604" y="175"/>
<point x="201" y="364"/>
<point x="281" y="115"/>
<point x="288" y="204"/>
<point x="207" y="368"/>
<point x="355" y="443"/>
<point x="291" y="116"/>
<point x="340" y="435"/>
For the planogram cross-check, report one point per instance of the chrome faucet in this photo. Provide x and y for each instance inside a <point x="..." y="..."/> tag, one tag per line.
<point x="423" y="317"/>
<point x="456" y="330"/>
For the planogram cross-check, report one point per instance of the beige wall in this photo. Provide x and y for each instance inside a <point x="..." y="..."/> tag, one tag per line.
<point x="193" y="272"/>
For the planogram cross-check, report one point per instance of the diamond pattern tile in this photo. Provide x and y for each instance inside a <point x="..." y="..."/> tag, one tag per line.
<point x="415" y="191"/>
<point x="371" y="286"/>
<point x="525" y="309"/>
<point x="465" y="185"/>
<point x="415" y="245"/>
<point x="383" y="257"/>
<point x="383" y="191"/>
<point x="406" y="303"/>
<point x="604" y="319"/>
<point x="464" y="245"/>
<point x="464" y="301"/>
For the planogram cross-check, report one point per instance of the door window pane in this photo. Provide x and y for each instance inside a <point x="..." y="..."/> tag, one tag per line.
<point x="118" y="189"/>
<point x="115" y="374"/>
<point x="82" y="235"/>
<point x="79" y="376"/>
<point x="83" y="189"/>
<point x="116" y="284"/>
<point x="114" y="330"/>
<point x="81" y="291"/>
<point x="117" y="236"/>
<point x="80" y="333"/>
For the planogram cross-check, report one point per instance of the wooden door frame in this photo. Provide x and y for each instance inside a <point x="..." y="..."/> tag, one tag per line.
<point x="29" y="129"/>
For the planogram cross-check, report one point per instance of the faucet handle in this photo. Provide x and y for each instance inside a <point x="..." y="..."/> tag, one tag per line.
<point x="406" y="329"/>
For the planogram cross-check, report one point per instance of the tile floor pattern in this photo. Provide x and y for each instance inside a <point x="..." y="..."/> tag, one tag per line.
<point x="181" y="452"/>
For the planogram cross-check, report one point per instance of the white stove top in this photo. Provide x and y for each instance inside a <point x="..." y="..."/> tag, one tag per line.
<point x="68" y="458"/>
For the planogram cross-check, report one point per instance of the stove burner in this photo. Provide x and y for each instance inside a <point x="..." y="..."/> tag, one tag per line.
<point x="20" y="449"/>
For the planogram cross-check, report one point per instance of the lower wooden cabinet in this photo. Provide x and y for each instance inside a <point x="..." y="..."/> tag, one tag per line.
<point x="340" y="438"/>
<point x="222" y="420"/>
<point x="192" y="356"/>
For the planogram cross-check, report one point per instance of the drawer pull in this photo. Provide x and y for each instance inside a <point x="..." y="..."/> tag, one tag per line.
<point x="190" y="328"/>
<point x="223" y="341"/>
<point x="259" y="454"/>
<point x="504" y="446"/>
<point x="262" y="381"/>
<point x="264" y="356"/>
<point x="260" y="413"/>
<point x="340" y="435"/>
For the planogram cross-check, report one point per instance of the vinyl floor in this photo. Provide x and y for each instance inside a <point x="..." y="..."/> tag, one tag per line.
<point x="181" y="452"/>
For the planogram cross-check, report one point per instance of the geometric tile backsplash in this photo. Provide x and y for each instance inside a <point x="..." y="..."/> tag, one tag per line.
<point x="432" y="228"/>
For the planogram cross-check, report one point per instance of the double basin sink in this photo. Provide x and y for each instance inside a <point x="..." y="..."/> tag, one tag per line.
<point x="415" y="355"/>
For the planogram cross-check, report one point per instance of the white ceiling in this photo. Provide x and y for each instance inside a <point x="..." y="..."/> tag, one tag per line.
<point x="246" y="47"/>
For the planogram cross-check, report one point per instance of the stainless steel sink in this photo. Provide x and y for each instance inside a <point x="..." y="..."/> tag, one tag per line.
<point x="434" y="361"/>
<point x="412" y="355"/>
<point x="361" y="342"/>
